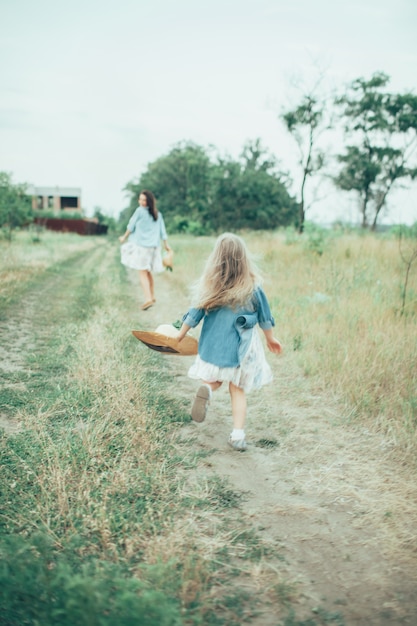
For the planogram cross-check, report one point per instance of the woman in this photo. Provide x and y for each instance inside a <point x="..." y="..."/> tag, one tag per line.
<point x="142" y="252"/>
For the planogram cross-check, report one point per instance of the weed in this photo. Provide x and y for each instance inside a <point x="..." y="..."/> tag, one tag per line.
<point x="250" y="545"/>
<point x="316" y="238"/>
<point x="285" y="592"/>
<point x="297" y="342"/>
<point x="323" y="617"/>
<point x="221" y="495"/>
<point x="267" y="443"/>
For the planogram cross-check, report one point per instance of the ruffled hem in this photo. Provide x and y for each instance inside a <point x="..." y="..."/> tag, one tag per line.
<point x="253" y="373"/>
<point x="141" y="258"/>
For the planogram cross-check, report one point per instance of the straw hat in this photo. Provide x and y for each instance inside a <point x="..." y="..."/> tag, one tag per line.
<point x="163" y="339"/>
<point x="168" y="259"/>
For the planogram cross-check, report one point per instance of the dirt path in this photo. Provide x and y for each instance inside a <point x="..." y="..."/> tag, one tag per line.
<point x="327" y="494"/>
<point x="20" y="332"/>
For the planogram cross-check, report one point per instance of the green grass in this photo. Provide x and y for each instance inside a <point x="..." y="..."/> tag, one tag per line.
<point x="95" y="514"/>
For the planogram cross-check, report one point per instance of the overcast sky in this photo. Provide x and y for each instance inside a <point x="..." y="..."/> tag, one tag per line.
<point x="91" y="91"/>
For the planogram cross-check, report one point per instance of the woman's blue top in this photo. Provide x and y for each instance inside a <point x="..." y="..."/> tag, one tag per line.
<point x="226" y="333"/>
<point x="144" y="230"/>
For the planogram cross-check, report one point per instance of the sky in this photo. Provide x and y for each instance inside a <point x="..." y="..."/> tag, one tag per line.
<point x="92" y="91"/>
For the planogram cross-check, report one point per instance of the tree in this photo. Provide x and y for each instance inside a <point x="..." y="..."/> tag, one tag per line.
<point x="104" y="219"/>
<point x="305" y="123"/>
<point x="263" y="198"/>
<point x="408" y="258"/>
<point x="384" y="127"/>
<point x="202" y="195"/>
<point x="180" y="181"/>
<point x="251" y="192"/>
<point x="15" y="205"/>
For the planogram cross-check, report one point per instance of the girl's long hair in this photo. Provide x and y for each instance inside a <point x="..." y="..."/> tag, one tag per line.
<point x="151" y="203"/>
<point x="229" y="277"/>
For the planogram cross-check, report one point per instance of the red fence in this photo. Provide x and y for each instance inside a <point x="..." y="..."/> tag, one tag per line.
<point x="82" y="227"/>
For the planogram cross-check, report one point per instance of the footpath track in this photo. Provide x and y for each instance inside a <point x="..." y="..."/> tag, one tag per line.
<point x="29" y="323"/>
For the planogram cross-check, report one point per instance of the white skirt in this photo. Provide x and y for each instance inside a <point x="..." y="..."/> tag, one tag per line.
<point x="253" y="373"/>
<point x="140" y="258"/>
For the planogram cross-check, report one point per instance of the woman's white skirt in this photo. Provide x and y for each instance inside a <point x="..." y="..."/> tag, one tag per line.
<point x="140" y="258"/>
<point x="253" y="373"/>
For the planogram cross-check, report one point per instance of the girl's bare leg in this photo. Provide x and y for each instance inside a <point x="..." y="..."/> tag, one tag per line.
<point x="239" y="405"/>
<point x="213" y="386"/>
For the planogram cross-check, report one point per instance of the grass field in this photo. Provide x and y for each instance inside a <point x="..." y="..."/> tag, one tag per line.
<point x="98" y="523"/>
<point x="341" y="312"/>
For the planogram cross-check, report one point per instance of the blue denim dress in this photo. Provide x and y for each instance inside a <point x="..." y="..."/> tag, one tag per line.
<point x="230" y="348"/>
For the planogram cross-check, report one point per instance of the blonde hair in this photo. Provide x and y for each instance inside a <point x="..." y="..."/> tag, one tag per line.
<point x="229" y="277"/>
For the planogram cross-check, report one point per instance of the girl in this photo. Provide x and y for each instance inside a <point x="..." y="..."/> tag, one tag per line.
<point x="230" y="301"/>
<point x="142" y="252"/>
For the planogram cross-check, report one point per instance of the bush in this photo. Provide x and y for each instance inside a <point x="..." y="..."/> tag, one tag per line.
<point x="316" y="238"/>
<point x="15" y="206"/>
<point x="39" y="585"/>
<point x="62" y="215"/>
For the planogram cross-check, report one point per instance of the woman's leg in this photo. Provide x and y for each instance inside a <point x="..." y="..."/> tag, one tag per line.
<point x="239" y="405"/>
<point x="151" y="286"/>
<point x="146" y="284"/>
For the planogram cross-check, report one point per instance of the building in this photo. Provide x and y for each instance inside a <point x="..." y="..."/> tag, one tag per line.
<point x="62" y="202"/>
<point x="56" y="199"/>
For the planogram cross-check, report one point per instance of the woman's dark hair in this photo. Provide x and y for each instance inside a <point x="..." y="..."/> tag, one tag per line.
<point x="151" y="203"/>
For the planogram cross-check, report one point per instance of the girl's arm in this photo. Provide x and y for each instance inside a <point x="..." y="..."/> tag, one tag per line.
<point x="266" y="322"/>
<point x="273" y="344"/>
<point x="190" y="320"/>
<point x="183" y="331"/>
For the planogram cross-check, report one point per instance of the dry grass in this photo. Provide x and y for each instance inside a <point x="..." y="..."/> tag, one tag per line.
<point x="24" y="259"/>
<point x="339" y="313"/>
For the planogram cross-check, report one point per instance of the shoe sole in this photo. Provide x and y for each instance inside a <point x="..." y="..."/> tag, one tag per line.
<point x="146" y="306"/>
<point x="200" y="404"/>
<point x="235" y="446"/>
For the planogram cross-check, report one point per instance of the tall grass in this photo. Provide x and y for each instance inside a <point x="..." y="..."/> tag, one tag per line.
<point x="338" y="312"/>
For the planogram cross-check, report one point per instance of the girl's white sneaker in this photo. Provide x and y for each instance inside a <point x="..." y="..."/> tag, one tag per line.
<point x="238" y="444"/>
